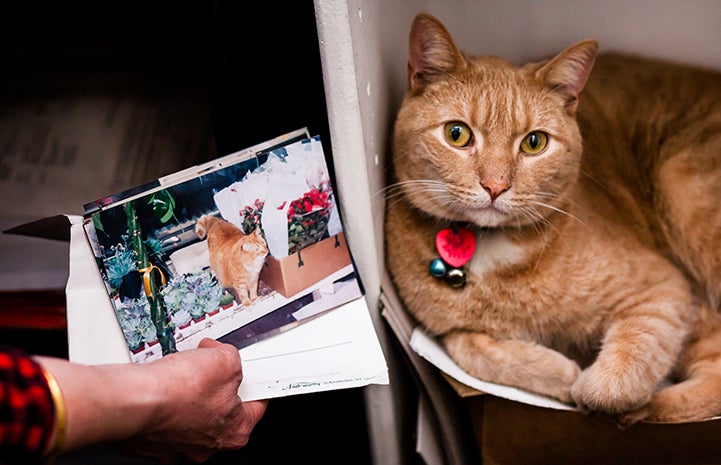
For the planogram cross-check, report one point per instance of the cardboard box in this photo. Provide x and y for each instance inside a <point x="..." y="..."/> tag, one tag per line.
<point x="509" y="432"/>
<point x="292" y="274"/>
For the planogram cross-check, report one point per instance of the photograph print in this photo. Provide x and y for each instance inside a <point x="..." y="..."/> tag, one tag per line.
<point x="238" y="253"/>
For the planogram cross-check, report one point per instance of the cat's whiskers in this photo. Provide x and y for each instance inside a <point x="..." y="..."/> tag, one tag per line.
<point x="411" y="186"/>
<point x="537" y="227"/>
<point x="566" y="199"/>
<point x="537" y="219"/>
<point x="538" y="260"/>
<point x="534" y="219"/>
<point x="398" y="191"/>
<point x="561" y="211"/>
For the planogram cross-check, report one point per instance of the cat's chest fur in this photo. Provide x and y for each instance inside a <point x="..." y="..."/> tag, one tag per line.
<point x="494" y="250"/>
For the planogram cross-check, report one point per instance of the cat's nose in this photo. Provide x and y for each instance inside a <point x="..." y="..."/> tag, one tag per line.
<point x="495" y="187"/>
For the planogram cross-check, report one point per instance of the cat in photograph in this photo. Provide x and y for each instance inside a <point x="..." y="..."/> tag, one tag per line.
<point x="584" y="192"/>
<point x="235" y="258"/>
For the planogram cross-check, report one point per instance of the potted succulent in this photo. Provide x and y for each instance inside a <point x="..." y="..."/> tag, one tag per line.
<point x="226" y="300"/>
<point x="191" y="296"/>
<point x="121" y="270"/>
<point x="180" y="318"/>
<point x="135" y="321"/>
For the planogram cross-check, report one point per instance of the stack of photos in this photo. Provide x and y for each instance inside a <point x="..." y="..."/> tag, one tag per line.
<point x="238" y="249"/>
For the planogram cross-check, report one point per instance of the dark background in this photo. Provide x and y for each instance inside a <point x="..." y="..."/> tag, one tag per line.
<point x="258" y="61"/>
<point x="260" y="66"/>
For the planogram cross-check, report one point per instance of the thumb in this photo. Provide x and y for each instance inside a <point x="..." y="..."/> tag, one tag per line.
<point x="230" y="349"/>
<point x="207" y="343"/>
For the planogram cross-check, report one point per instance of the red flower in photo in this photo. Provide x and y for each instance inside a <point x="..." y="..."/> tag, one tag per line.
<point x="250" y="217"/>
<point x="308" y="217"/>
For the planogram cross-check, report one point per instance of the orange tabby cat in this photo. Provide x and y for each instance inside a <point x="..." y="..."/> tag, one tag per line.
<point x="235" y="258"/>
<point x="596" y="277"/>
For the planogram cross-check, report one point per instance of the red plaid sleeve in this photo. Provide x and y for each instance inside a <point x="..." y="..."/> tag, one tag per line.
<point x="27" y="412"/>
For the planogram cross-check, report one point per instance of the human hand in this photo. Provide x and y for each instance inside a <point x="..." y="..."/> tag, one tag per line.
<point x="198" y="409"/>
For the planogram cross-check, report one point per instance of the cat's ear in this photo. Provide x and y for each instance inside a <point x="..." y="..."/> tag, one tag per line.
<point x="433" y="53"/>
<point x="568" y="71"/>
<point x="200" y="228"/>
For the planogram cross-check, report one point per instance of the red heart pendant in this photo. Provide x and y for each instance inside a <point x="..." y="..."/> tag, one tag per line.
<point x="456" y="246"/>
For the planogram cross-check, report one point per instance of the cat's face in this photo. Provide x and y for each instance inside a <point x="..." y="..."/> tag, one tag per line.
<point x="482" y="141"/>
<point x="255" y="243"/>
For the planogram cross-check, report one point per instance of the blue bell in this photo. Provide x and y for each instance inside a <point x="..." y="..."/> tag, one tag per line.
<point x="438" y="268"/>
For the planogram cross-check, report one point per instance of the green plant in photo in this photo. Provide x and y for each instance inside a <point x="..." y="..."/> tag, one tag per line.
<point x="151" y="275"/>
<point x="194" y="294"/>
<point x="163" y="205"/>
<point x="135" y="322"/>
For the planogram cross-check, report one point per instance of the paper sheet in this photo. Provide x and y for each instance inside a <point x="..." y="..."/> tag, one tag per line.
<point x="334" y="351"/>
<point x="428" y="348"/>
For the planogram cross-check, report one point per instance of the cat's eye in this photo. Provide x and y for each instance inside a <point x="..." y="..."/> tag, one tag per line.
<point x="457" y="134"/>
<point x="534" y="143"/>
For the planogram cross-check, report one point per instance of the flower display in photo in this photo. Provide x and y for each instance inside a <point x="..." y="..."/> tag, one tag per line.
<point x="308" y="217"/>
<point x="250" y="217"/>
<point x="289" y="195"/>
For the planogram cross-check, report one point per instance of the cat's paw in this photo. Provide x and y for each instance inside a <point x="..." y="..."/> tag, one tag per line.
<point x="695" y="399"/>
<point x="560" y="383"/>
<point x="554" y="378"/>
<point x="612" y="391"/>
<point x="628" y="419"/>
<point x="521" y="364"/>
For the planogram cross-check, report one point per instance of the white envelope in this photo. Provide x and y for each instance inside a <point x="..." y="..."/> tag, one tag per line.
<point x="337" y="350"/>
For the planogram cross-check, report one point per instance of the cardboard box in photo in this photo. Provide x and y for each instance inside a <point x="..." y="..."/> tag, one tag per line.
<point x="291" y="274"/>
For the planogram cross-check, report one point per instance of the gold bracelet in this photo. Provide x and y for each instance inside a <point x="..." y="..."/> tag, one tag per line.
<point x="60" y="417"/>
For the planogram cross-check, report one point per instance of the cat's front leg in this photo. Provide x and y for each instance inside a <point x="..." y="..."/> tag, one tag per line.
<point x="696" y="396"/>
<point x="521" y="364"/>
<point x="240" y="291"/>
<point x="637" y="353"/>
<point x="253" y="291"/>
